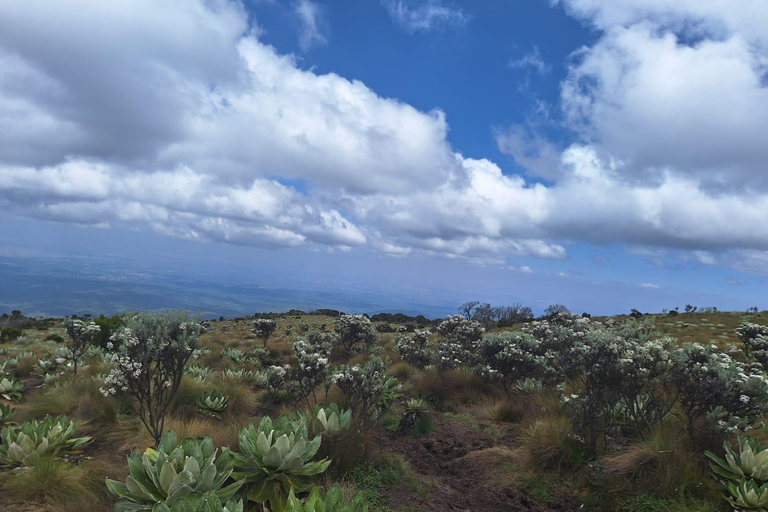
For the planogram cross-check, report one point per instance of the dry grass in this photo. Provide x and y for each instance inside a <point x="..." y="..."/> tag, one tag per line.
<point x="78" y="397"/>
<point x="400" y="370"/>
<point x="549" y="442"/>
<point x="664" y="464"/>
<point x="60" y="487"/>
<point x="452" y="389"/>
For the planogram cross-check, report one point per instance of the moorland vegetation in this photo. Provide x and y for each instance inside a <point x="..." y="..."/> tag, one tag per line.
<point x="490" y="409"/>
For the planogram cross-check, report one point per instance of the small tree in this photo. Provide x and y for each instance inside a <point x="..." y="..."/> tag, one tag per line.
<point x="467" y="310"/>
<point x="152" y="350"/>
<point x="263" y="328"/>
<point x="81" y="335"/>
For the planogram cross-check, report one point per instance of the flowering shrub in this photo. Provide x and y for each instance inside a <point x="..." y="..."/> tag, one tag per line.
<point x="263" y="329"/>
<point x="364" y="386"/>
<point x="81" y="335"/>
<point x="273" y="379"/>
<point x="414" y="350"/>
<point x="312" y="364"/>
<point x="353" y="331"/>
<point x="504" y="359"/>
<point x="725" y="394"/>
<point x="754" y="338"/>
<point x="614" y="374"/>
<point x="153" y="349"/>
<point x="459" y="339"/>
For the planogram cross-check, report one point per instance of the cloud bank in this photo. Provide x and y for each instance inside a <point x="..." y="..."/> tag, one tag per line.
<point x="174" y="116"/>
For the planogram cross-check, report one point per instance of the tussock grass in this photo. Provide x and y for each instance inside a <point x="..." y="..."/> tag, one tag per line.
<point x="77" y="397"/>
<point x="61" y="487"/>
<point x="549" y="442"/>
<point x="243" y="399"/>
<point x="665" y="464"/>
<point x="453" y="388"/>
<point x="400" y="370"/>
<point x="185" y="401"/>
<point x="25" y="366"/>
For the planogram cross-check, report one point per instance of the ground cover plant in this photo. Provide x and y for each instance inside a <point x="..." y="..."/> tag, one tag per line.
<point x="487" y="410"/>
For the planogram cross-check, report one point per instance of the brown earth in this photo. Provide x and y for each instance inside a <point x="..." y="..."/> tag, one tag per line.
<point x="450" y="459"/>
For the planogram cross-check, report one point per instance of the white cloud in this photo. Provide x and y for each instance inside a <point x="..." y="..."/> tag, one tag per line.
<point x="531" y="60"/>
<point x="656" y="105"/>
<point x="650" y="286"/>
<point x="176" y="117"/>
<point x="313" y="27"/>
<point x="424" y="15"/>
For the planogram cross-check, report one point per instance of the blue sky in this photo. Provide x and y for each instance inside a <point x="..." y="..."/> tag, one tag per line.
<point x="384" y="155"/>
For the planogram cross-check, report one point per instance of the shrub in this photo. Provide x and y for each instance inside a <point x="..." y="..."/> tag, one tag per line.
<point x="149" y="362"/>
<point x="365" y="388"/>
<point x="263" y="329"/>
<point x="715" y="388"/>
<point x="354" y="331"/>
<point x="276" y="458"/>
<point x="506" y="358"/>
<point x="754" y="338"/>
<point x="81" y="335"/>
<point x="615" y="375"/>
<point x="172" y="472"/>
<point x="311" y="370"/>
<point x="274" y="379"/>
<point x="459" y="338"/>
<point x="10" y="334"/>
<point x="107" y="325"/>
<point x="414" y="350"/>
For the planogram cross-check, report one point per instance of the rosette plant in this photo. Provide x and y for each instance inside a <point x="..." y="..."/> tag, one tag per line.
<point x="750" y="460"/>
<point x="276" y="458"/>
<point x="329" y="421"/>
<point x="333" y="501"/>
<point x="747" y="495"/>
<point x="11" y="389"/>
<point x="24" y="444"/>
<point x="207" y="502"/>
<point x="6" y="411"/>
<point x="159" y="478"/>
<point x="212" y="403"/>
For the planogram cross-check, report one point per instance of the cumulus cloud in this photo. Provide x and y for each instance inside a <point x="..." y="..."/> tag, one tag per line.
<point x="425" y="15"/>
<point x="183" y="121"/>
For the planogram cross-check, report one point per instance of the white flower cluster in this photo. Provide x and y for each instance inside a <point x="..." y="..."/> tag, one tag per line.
<point x="415" y="350"/>
<point x="355" y="331"/>
<point x="731" y="395"/>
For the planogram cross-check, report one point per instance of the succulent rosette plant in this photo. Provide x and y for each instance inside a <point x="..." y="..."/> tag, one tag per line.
<point x="159" y="478"/>
<point x="276" y="458"/>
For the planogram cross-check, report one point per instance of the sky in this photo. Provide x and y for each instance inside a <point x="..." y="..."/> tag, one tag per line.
<point x="383" y="155"/>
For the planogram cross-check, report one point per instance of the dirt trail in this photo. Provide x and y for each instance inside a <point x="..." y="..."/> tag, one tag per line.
<point x="461" y="482"/>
